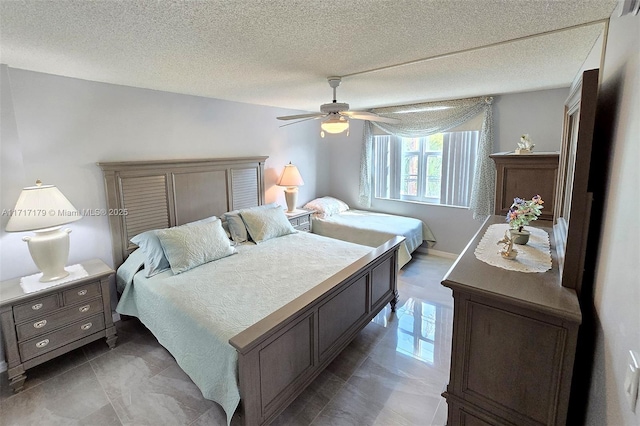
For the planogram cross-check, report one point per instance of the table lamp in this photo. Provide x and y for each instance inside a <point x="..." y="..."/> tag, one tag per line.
<point x="292" y="180"/>
<point x="43" y="209"/>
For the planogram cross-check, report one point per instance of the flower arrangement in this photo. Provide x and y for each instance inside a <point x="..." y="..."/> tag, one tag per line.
<point x="524" y="211"/>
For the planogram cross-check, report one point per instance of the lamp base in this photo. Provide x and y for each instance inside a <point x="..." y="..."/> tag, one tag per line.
<point x="291" y="195"/>
<point x="49" y="250"/>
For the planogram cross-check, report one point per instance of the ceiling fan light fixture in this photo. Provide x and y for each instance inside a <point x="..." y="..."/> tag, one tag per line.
<point x="335" y="125"/>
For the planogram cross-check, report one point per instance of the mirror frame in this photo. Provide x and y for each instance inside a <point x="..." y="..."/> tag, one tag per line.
<point x="572" y="199"/>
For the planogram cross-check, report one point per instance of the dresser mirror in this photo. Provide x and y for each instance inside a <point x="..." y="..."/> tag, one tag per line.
<point x="572" y="200"/>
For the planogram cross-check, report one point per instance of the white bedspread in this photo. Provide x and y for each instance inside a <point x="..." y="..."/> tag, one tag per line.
<point x="372" y="229"/>
<point x="194" y="314"/>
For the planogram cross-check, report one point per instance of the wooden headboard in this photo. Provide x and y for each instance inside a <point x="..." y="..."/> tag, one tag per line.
<point x="144" y="195"/>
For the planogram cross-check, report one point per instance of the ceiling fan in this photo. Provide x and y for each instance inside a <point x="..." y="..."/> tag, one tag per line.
<point x="337" y="114"/>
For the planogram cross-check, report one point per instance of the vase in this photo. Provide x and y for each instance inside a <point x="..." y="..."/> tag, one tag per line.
<point x="520" y="237"/>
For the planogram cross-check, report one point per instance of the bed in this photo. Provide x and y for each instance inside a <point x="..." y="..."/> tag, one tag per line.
<point x="274" y="349"/>
<point x="334" y="219"/>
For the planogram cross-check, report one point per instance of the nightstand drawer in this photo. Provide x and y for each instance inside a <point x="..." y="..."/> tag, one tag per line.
<point x="35" y="307"/>
<point x="304" y="220"/>
<point x="50" y="341"/>
<point x="47" y="323"/>
<point x="81" y="293"/>
<point x="300" y="220"/>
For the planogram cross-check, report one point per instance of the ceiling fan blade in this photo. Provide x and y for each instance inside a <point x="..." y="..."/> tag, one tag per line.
<point x="305" y="119"/>
<point x="362" y="115"/>
<point x="296" y="117"/>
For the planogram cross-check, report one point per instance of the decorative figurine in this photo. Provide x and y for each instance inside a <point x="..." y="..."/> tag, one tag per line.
<point x="525" y="146"/>
<point x="507" y="252"/>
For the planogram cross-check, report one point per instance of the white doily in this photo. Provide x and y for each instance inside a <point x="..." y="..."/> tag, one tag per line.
<point x="31" y="283"/>
<point x="535" y="256"/>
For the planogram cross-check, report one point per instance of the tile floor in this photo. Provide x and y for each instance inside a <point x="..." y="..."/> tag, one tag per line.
<point x="392" y="374"/>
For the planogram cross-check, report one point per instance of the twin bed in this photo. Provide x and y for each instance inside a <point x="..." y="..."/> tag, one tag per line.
<point x="334" y="219"/>
<point x="251" y="329"/>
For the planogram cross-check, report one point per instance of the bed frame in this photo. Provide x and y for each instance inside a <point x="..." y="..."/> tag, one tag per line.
<point x="279" y="356"/>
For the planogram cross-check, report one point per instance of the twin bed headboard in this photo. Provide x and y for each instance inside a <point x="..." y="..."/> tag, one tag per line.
<point x="144" y="195"/>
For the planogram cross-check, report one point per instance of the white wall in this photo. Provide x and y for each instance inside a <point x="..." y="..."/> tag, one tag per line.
<point x="66" y="125"/>
<point x="617" y="286"/>
<point x="10" y="165"/>
<point x="538" y="113"/>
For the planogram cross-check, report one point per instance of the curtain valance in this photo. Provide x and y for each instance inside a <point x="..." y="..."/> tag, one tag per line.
<point x="424" y="119"/>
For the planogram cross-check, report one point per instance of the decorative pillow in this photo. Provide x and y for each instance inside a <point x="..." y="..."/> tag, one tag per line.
<point x="225" y="226"/>
<point x="326" y="206"/>
<point x="128" y="269"/>
<point x="155" y="261"/>
<point x="189" y="246"/>
<point x="149" y="243"/>
<point x="237" y="227"/>
<point x="265" y="224"/>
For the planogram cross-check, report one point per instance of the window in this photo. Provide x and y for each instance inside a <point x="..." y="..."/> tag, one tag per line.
<point x="436" y="169"/>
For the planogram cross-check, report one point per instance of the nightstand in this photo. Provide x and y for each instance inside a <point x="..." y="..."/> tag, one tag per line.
<point x="42" y="325"/>
<point x="300" y="219"/>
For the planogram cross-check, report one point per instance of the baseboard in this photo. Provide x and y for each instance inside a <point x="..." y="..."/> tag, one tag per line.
<point x="432" y="252"/>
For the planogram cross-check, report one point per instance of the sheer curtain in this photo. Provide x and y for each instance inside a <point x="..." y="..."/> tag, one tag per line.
<point x="459" y="153"/>
<point x="425" y="119"/>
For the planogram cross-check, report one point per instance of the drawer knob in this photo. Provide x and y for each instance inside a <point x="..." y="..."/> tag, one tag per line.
<point x="36" y="306"/>
<point x="86" y="326"/>
<point x="40" y="324"/>
<point x="82" y="292"/>
<point x="42" y="343"/>
<point x="84" y="308"/>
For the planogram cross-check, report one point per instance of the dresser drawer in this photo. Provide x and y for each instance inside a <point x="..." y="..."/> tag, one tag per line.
<point x="50" y="341"/>
<point x="36" y="307"/>
<point x="46" y="323"/>
<point x="81" y="293"/>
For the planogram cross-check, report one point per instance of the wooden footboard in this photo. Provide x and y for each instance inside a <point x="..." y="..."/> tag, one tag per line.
<point x="281" y="354"/>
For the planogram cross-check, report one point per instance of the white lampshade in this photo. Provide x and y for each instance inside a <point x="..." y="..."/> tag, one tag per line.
<point x="41" y="207"/>
<point x="290" y="176"/>
<point x="292" y="180"/>
<point x="335" y="125"/>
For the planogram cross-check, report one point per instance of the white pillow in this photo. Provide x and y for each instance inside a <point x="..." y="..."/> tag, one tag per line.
<point x="265" y="224"/>
<point x="326" y="206"/>
<point x="189" y="246"/>
<point x="237" y="228"/>
<point x="149" y="243"/>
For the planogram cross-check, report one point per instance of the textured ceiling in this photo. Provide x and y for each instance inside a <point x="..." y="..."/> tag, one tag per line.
<point x="279" y="53"/>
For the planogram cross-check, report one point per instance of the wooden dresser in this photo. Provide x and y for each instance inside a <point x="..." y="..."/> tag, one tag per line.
<point x="525" y="176"/>
<point x="42" y="325"/>
<point x="514" y="340"/>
